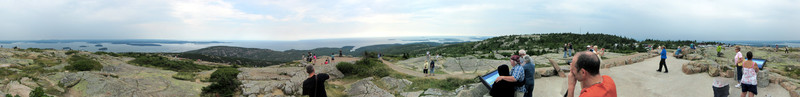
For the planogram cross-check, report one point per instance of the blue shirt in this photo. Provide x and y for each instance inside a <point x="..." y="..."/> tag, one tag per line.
<point x="519" y="74"/>
<point x="530" y="72"/>
<point x="663" y="53"/>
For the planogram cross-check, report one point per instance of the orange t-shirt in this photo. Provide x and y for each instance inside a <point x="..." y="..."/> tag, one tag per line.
<point x="607" y="88"/>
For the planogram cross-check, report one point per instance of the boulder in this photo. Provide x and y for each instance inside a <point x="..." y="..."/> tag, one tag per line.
<point x="15" y="88"/>
<point x="763" y="78"/>
<point x="292" y="87"/>
<point x="434" y="92"/>
<point x="365" y="88"/>
<point x="690" y="69"/>
<point x="713" y="70"/>
<point x="411" y="94"/>
<point x="28" y="82"/>
<point x="789" y="86"/>
<point x="330" y="70"/>
<point x="546" y="72"/>
<point x="730" y="74"/>
<point x="697" y="66"/>
<point x="69" y="80"/>
<point x="472" y="90"/>
<point x="693" y="57"/>
<point x="395" y="85"/>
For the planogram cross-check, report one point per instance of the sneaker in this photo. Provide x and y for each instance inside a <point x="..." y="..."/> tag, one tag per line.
<point x="666" y="71"/>
<point x="737" y="85"/>
<point x="658" y="70"/>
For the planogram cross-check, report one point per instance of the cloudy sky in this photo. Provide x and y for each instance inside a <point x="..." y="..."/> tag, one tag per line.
<point x="321" y="19"/>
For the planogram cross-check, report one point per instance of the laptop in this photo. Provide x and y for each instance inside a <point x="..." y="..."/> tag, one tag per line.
<point x="488" y="79"/>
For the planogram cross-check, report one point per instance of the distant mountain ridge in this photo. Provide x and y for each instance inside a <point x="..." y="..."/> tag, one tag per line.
<point x="535" y="43"/>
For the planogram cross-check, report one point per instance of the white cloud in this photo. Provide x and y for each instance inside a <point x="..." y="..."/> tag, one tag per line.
<point x="313" y="19"/>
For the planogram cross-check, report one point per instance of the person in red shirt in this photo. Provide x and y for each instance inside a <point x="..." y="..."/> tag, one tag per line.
<point x="585" y="68"/>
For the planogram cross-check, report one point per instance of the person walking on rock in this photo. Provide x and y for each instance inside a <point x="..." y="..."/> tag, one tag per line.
<point x="663" y="60"/>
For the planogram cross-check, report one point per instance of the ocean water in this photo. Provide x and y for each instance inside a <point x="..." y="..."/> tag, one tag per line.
<point x="273" y="45"/>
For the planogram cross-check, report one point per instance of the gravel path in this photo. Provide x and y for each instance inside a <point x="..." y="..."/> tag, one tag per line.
<point x="641" y="80"/>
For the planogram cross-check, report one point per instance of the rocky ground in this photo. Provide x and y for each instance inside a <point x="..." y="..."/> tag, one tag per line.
<point x="116" y="78"/>
<point x="641" y="80"/>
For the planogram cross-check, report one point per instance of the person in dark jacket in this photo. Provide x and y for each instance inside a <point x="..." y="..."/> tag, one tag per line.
<point x="503" y="88"/>
<point x="314" y="85"/>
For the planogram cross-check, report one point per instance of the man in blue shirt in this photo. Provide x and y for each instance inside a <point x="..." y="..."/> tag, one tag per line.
<point x="517" y="74"/>
<point x="663" y="58"/>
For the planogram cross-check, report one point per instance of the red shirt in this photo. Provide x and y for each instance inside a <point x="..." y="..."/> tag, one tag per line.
<point x="607" y="88"/>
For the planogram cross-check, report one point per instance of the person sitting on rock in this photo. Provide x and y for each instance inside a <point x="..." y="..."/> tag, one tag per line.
<point x="314" y="85"/>
<point x="585" y="68"/>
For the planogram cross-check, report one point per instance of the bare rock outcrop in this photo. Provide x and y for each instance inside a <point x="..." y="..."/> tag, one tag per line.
<point x="366" y="88"/>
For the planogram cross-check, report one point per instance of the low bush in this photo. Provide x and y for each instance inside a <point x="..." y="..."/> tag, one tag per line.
<point x="82" y="63"/>
<point x="38" y="92"/>
<point x="165" y="63"/>
<point x="70" y="52"/>
<point x="224" y="83"/>
<point x="364" y="68"/>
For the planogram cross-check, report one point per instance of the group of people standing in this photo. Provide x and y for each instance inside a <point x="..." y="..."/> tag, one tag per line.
<point x="312" y="58"/>
<point x="518" y="81"/>
<point x="430" y="65"/>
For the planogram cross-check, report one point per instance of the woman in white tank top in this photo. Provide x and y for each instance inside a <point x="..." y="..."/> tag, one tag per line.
<point x="749" y="77"/>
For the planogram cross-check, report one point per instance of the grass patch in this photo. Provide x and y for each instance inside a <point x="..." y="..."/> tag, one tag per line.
<point x="334" y="90"/>
<point x="188" y="76"/>
<point x="45" y="62"/>
<point x="155" y="60"/>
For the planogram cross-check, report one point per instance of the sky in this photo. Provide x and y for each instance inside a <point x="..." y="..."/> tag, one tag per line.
<point x="325" y="19"/>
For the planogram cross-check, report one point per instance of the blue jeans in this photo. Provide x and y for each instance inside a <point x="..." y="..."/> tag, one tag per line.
<point x="565" y="54"/>
<point x="570" y="53"/>
<point x="528" y="93"/>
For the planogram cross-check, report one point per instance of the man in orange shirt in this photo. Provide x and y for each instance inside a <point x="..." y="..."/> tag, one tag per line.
<point x="585" y="67"/>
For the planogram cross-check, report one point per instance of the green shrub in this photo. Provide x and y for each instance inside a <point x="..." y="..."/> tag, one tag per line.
<point x="165" y="63"/>
<point x="364" y="68"/>
<point x="71" y="52"/>
<point x="34" y="50"/>
<point x="184" y="76"/>
<point x="9" y="95"/>
<point x="106" y="53"/>
<point x="224" y="83"/>
<point x="38" y="92"/>
<point x="81" y="63"/>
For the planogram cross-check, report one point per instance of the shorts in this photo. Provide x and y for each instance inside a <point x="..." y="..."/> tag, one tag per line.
<point x="750" y="88"/>
<point x="425" y="71"/>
